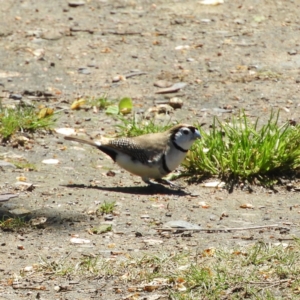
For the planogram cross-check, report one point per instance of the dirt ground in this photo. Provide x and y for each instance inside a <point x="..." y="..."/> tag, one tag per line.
<point x="239" y="55"/>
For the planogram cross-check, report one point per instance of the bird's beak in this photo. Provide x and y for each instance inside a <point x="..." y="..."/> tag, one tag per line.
<point x="197" y="135"/>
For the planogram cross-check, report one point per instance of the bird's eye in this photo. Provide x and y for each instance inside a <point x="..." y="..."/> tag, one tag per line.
<point x="186" y="131"/>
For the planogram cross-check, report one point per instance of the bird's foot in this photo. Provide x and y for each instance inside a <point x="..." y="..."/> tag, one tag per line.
<point x="169" y="183"/>
<point x="162" y="181"/>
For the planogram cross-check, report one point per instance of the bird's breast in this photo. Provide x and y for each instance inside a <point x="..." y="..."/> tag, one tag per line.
<point x="134" y="166"/>
<point x="174" y="158"/>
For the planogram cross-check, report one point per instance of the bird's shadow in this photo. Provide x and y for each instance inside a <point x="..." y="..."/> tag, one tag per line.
<point x="137" y="190"/>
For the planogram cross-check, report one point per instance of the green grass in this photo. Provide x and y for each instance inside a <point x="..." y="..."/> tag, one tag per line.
<point x="21" y="119"/>
<point x="107" y="207"/>
<point x="23" y="164"/>
<point x="245" y="151"/>
<point x="258" y="271"/>
<point x="102" y="102"/>
<point x="131" y="127"/>
<point x="238" y="149"/>
<point x="13" y="224"/>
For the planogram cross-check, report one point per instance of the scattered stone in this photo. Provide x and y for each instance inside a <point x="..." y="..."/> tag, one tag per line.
<point x="7" y="197"/>
<point x="111" y="173"/>
<point x="221" y="110"/>
<point x="212" y="218"/>
<point x="293" y="52"/>
<point x="214" y="184"/>
<point x="6" y="164"/>
<point x="65" y="131"/>
<point x="28" y="269"/>
<point x="181" y="225"/>
<point x="163" y="84"/>
<point x="212" y="2"/>
<point x="145" y="217"/>
<point x="50" y="161"/>
<point x="173" y="89"/>
<point x="83" y="70"/>
<point x="153" y="242"/>
<point x="51" y="35"/>
<point x="108" y="217"/>
<point x="38" y="221"/>
<point x="118" y="78"/>
<point x="190" y="59"/>
<point x="239" y="21"/>
<point x="75" y="240"/>
<point x="20" y="212"/>
<point x="176" y="102"/>
<point x="134" y="73"/>
<point x="182" y="47"/>
<point x="25" y="186"/>
<point x="15" y="96"/>
<point x="76" y="3"/>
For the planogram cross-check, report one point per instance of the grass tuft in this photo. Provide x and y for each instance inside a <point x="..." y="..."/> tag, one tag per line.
<point x="245" y="151"/>
<point x="131" y="127"/>
<point x="102" y="102"/>
<point x="21" y="119"/>
<point x="13" y="224"/>
<point x="107" y="207"/>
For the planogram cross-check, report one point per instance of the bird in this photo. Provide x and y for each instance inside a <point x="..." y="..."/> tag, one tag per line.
<point x="150" y="156"/>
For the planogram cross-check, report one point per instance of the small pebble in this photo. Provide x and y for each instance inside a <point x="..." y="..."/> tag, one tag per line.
<point x="15" y="96"/>
<point x="76" y="3"/>
<point x="292" y="52"/>
<point x="108" y="217"/>
<point x="85" y="71"/>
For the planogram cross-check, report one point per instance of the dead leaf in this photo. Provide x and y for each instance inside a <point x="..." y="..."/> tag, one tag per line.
<point x="209" y="252"/>
<point x="21" y="178"/>
<point x="78" y="103"/>
<point x="203" y="204"/>
<point x="44" y="112"/>
<point x="247" y="205"/>
<point x="151" y="288"/>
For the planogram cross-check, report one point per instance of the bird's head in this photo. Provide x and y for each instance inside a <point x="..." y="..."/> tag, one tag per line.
<point x="184" y="135"/>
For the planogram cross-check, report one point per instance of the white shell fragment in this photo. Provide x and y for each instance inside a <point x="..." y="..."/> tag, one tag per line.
<point x="182" y="47"/>
<point x="28" y="269"/>
<point x="50" y="161"/>
<point x="214" y="184"/>
<point x="75" y="240"/>
<point x="65" y="131"/>
<point x="212" y="2"/>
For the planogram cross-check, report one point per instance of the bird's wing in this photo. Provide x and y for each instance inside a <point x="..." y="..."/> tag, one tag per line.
<point x="145" y="148"/>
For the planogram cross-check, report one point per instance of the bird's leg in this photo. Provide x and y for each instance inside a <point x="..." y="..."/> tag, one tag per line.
<point x="161" y="181"/>
<point x="148" y="181"/>
<point x="168" y="182"/>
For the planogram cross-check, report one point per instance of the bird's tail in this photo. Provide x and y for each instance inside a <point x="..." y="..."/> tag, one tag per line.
<point x="83" y="141"/>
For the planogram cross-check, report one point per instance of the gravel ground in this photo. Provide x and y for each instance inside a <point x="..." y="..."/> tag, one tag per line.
<point x="233" y="56"/>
